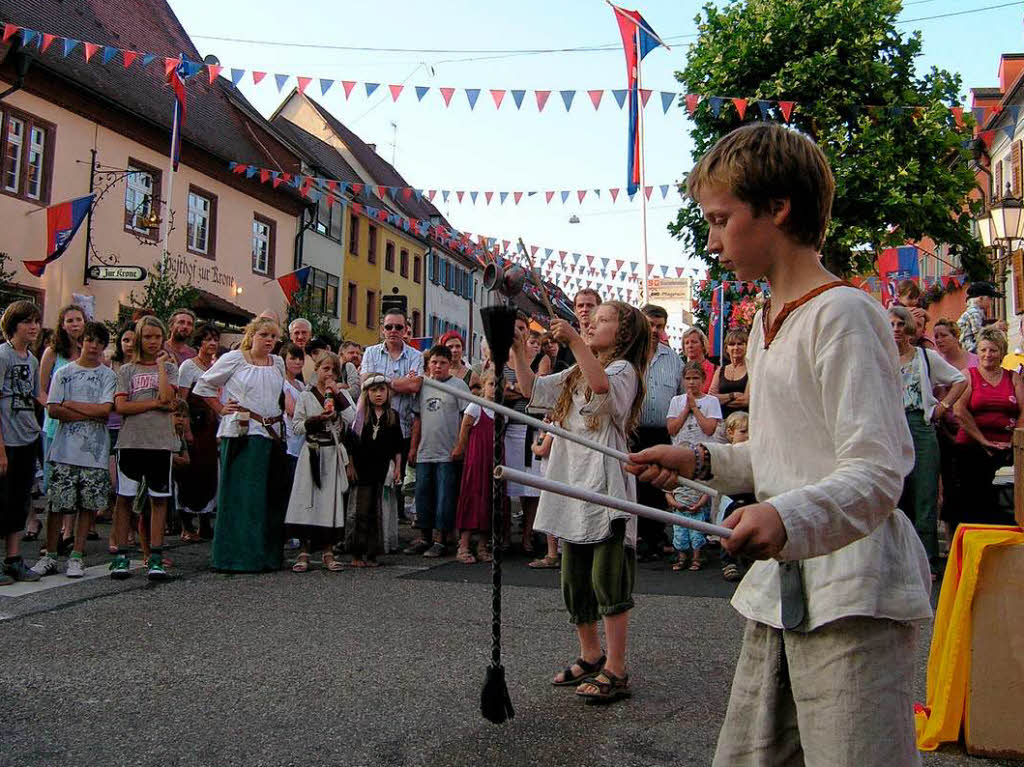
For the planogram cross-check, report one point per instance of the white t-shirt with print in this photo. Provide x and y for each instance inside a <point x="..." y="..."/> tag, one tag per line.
<point x="691" y="431"/>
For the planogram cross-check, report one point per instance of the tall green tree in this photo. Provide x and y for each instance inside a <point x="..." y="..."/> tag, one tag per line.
<point x="901" y="173"/>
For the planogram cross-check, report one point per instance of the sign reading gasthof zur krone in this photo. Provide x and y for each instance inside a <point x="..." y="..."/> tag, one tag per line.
<point x="131" y="273"/>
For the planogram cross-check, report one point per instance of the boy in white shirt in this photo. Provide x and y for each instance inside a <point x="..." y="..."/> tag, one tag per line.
<point x="827" y="663"/>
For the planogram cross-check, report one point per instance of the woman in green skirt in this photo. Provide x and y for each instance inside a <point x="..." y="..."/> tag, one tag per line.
<point x="249" y="532"/>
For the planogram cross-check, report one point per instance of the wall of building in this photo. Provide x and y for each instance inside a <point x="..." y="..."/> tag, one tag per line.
<point x="227" y="274"/>
<point x="361" y="276"/>
<point x="391" y="281"/>
<point x="327" y="255"/>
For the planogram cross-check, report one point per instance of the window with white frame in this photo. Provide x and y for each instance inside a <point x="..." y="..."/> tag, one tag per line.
<point x="36" y="155"/>
<point x="12" y="161"/>
<point x="26" y="156"/>
<point x="262" y="236"/>
<point x="199" y="217"/>
<point x="138" y="199"/>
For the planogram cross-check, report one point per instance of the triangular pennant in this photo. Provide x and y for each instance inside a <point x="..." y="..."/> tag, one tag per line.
<point x="91" y="48"/>
<point x="567" y="97"/>
<point x="488" y="196"/>
<point x="421" y="91"/>
<point x="502" y="196"/>
<point x="472" y="196"/>
<point x="1014" y="110"/>
<point x="431" y="194"/>
<point x="786" y="107"/>
<point x="236" y="76"/>
<point x="264" y="175"/>
<point x="565" y="196"/>
<point x="281" y="80"/>
<point x="716" y="104"/>
<point x="348" y="85"/>
<point x="692" y="100"/>
<point x="1008" y="130"/>
<point x="764" y="107"/>
<point x="148" y="58"/>
<point x="47" y="41"/>
<point x="620" y="97"/>
<point x="28" y="36"/>
<point x="666" y="100"/>
<point x="664" y="191"/>
<point x="370" y="88"/>
<point x="10" y="30"/>
<point x="618" y="264"/>
<point x="517" y="196"/>
<point x="517" y="96"/>
<point x="741" y="107"/>
<point x="645" y="96"/>
<point x="595" y="97"/>
<point x="647" y="191"/>
<point x="472" y="94"/>
<point x="302" y="83"/>
<point x="446" y="94"/>
<point x="444" y="194"/>
<point x="498" y="95"/>
<point x="169" y="64"/>
<point x="407" y="193"/>
<point x="548" y="196"/>
<point x="614" y="193"/>
<point x="580" y="194"/>
<point x="257" y="77"/>
<point x="979" y="114"/>
<point x="277" y="179"/>
<point x="459" y="194"/>
<point x="325" y="85"/>
<point x="239" y="168"/>
<point x="213" y="71"/>
<point x="109" y="52"/>
<point x="396" y="91"/>
<point x="542" y="99"/>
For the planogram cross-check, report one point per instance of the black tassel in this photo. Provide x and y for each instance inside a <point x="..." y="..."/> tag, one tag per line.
<point x="495" y="703"/>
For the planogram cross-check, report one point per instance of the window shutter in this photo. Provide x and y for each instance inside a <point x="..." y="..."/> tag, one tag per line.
<point x="1015" y="169"/>
<point x="998" y="191"/>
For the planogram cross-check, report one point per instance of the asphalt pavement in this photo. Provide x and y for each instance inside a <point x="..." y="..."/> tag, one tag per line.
<point x="361" y="667"/>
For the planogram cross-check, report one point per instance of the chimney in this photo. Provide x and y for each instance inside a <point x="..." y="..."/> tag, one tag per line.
<point x="1010" y="67"/>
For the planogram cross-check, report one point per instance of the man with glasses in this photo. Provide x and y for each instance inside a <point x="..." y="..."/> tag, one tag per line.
<point x="403" y="366"/>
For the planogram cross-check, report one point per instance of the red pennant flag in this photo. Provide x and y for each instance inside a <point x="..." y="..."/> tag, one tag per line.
<point x="488" y="196"/>
<point x="645" y="96"/>
<point x="459" y="195"/>
<point x="348" y="85"/>
<point x="548" y="196"/>
<point x="614" y="193"/>
<point x="240" y="168"/>
<point x="277" y="181"/>
<point x="264" y="175"/>
<point x="169" y="63"/>
<point x="506" y="243"/>
<point x="647" y="191"/>
<point x="332" y="186"/>
<point x="679" y="271"/>
<point x="581" y="193"/>
<point x="987" y="136"/>
<point x="257" y="76"/>
<point x="91" y="48"/>
<point x="10" y="30"/>
<point x="533" y="250"/>
<point x="618" y="264"/>
<point x="431" y="194"/>
<point x="214" y="71"/>
<point x="692" y="100"/>
<point x="498" y="95"/>
<point x="958" y="115"/>
<point x="47" y="42"/>
<point x="446" y="94"/>
<point x="382" y="191"/>
<point x="357" y="208"/>
<point x="396" y="91"/>
<point x="517" y="196"/>
<point x="303" y="82"/>
<point x="786" y="107"/>
<point x="357" y="189"/>
<point x="542" y="99"/>
<point x="406" y="193"/>
<point x="741" y="107"/>
<point x="650" y="268"/>
<point x="595" y="97"/>
<point x="590" y="260"/>
<point x="330" y="200"/>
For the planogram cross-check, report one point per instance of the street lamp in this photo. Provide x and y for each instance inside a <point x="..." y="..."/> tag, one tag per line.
<point x="1007" y="216"/>
<point x="985" y="230"/>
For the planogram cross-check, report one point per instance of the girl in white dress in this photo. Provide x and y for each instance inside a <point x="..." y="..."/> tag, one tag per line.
<point x="316" y="511"/>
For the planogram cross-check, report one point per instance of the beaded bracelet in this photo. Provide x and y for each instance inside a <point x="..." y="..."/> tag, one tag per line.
<point x="701" y="462"/>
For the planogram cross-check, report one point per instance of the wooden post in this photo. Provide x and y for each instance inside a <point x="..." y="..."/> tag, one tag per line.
<point x="1018" y="475"/>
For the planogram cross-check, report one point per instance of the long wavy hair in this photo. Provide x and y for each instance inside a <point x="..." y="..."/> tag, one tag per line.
<point x="118" y="355"/>
<point x="254" y="327"/>
<point x="61" y="342"/>
<point x="632" y="344"/>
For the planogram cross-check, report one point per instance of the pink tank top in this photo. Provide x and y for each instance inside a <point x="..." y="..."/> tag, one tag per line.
<point x="995" y="408"/>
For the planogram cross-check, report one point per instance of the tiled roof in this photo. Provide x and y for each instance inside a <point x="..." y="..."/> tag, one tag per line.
<point x="318" y="154"/>
<point x="212" y="122"/>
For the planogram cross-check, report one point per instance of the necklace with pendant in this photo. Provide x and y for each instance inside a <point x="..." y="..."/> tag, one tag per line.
<point x="375" y="422"/>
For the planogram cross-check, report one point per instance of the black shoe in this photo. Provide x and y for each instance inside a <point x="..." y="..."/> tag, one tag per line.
<point x="19" y="572"/>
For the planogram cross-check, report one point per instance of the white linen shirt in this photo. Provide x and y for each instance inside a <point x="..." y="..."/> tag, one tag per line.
<point x="829" y="447"/>
<point x="255" y="387"/>
<point x="942" y="374"/>
<point x="567" y="518"/>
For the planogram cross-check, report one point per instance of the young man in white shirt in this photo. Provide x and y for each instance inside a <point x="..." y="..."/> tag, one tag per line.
<point x="827" y="663"/>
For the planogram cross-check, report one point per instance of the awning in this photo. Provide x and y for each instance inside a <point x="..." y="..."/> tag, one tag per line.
<point x="209" y="306"/>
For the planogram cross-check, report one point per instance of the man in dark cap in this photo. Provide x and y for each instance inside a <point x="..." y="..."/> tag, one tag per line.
<point x="977" y="314"/>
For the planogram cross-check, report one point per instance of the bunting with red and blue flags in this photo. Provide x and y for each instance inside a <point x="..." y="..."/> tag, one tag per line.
<point x="638" y="39"/>
<point x="62" y="221"/>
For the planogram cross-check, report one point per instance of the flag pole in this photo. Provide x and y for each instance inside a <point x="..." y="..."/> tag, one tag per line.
<point x="643" y="176"/>
<point x="166" y="229"/>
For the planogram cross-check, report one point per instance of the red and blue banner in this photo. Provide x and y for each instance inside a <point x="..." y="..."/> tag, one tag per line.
<point x="638" y="39"/>
<point x="62" y="221"/>
<point x="894" y="266"/>
<point x="293" y="282"/>
<point x="422" y="344"/>
<point x="176" y="78"/>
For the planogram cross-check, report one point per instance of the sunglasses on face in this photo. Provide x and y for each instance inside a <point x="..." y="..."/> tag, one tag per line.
<point x="394" y="327"/>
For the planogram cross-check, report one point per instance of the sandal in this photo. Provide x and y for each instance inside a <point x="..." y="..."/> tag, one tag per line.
<point x="611" y="689"/>
<point x="32" y="535"/>
<point x="682" y="563"/>
<point x="465" y="556"/>
<point x="545" y="563"/>
<point x="589" y="670"/>
<point x="483" y="555"/>
<point x="332" y="564"/>
<point x="301" y="564"/>
<point x="696" y="564"/>
<point x="417" y="547"/>
<point x="731" y="573"/>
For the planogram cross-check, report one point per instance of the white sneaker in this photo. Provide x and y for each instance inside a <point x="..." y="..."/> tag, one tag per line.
<point x="76" y="567"/>
<point x="45" y="566"/>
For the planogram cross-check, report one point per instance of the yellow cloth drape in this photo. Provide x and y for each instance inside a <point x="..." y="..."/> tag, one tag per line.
<point x="949" y="659"/>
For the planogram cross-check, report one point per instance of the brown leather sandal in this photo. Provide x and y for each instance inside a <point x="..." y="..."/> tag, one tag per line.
<point x="589" y="670"/>
<point x="609" y="690"/>
<point x="301" y="564"/>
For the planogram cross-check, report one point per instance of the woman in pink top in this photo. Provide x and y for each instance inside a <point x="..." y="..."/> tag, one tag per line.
<point x="947" y="341"/>
<point x="988" y="412"/>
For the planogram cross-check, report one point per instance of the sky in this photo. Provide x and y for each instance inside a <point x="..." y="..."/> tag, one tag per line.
<point x="487" y="149"/>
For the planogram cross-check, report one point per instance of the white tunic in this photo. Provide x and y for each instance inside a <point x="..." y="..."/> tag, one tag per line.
<point x="829" y="447"/>
<point x="256" y="388"/>
<point x="569" y="519"/>
<point x="308" y="504"/>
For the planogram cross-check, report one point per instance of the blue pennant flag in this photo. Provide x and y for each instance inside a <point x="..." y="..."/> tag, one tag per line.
<point x="716" y="104"/>
<point x="147" y="59"/>
<point x="281" y="80"/>
<point x="604" y="262"/>
<point x="597" y="193"/>
<point x="620" y="97"/>
<point x="666" y="100"/>
<point x="664" y="270"/>
<point x="517" y="96"/>
<point x="664" y="191"/>
<point x="444" y="194"/>
<point x="418" y="193"/>
<point x="236" y="76"/>
<point x="576" y="258"/>
<point x="565" y="196"/>
<point x="421" y="91"/>
<point x="1009" y="130"/>
<point x="1014" y="110"/>
<point x="501" y="197"/>
<point x="472" y="196"/>
<point x="633" y="265"/>
<point x="325" y="85"/>
<point x="28" y="35"/>
<point x="764" y="106"/>
<point x="251" y="171"/>
<point x="190" y="69"/>
<point x="109" y="52"/>
<point x="567" y="97"/>
<point x="70" y="45"/>
<point x="370" y="88"/>
<point x="471" y="96"/>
